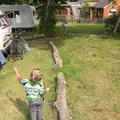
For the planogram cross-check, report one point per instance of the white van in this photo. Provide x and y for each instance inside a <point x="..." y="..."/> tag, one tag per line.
<point x="5" y="32"/>
<point x="21" y="16"/>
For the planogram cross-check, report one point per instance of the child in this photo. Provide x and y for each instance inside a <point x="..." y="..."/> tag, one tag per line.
<point x="63" y="24"/>
<point x="34" y="92"/>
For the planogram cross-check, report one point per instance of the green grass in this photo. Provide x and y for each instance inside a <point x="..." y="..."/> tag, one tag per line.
<point x="91" y="68"/>
<point x="82" y="29"/>
<point x="92" y="71"/>
<point x="13" y="103"/>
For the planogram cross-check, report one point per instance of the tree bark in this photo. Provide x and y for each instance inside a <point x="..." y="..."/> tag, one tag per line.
<point x="61" y="103"/>
<point x="49" y="4"/>
<point x="47" y="9"/>
<point x="56" y="56"/>
<point x="116" y="26"/>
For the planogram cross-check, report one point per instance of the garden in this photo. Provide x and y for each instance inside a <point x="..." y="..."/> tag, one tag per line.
<point x="91" y="61"/>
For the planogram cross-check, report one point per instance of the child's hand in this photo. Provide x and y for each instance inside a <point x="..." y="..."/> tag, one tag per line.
<point x="15" y="69"/>
<point x="47" y="89"/>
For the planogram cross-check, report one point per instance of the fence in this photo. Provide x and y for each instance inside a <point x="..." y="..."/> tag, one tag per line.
<point x="74" y="19"/>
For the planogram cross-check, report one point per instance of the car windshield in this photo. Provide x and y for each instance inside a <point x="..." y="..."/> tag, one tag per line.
<point x="4" y="21"/>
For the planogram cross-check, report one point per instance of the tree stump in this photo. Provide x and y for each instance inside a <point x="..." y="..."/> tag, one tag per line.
<point x="61" y="103"/>
<point x="56" y="56"/>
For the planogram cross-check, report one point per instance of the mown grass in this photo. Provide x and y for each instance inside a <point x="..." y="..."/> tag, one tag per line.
<point x="83" y="28"/>
<point x="92" y="71"/>
<point x="13" y="103"/>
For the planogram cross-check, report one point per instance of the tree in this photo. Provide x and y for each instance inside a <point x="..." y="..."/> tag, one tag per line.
<point x="85" y="11"/>
<point x="118" y="21"/>
<point x="48" y="16"/>
<point x="113" y="21"/>
<point x="116" y="26"/>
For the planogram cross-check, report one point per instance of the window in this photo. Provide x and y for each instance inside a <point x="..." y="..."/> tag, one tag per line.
<point x="34" y="13"/>
<point x="12" y="14"/>
<point x="9" y="14"/>
<point x="16" y="13"/>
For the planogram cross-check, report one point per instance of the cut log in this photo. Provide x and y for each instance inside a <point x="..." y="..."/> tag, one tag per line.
<point x="61" y="103"/>
<point x="56" y="56"/>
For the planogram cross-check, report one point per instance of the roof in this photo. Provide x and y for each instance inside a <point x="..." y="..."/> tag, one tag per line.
<point x="101" y="4"/>
<point x="81" y="1"/>
<point x="38" y="6"/>
<point x="91" y="0"/>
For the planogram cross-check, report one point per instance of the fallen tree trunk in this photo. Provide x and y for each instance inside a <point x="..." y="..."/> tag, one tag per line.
<point x="61" y="103"/>
<point x="56" y="56"/>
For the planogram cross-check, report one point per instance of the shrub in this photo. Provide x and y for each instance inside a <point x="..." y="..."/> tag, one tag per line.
<point x="111" y="21"/>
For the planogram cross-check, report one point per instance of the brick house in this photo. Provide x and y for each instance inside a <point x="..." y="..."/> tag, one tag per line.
<point x="99" y="9"/>
<point x="111" y="8"/>
<point x="70" y="11"/>
<point x="103" y="8"/>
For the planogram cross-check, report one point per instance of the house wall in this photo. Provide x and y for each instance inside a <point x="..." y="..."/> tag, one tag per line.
<point x="109" y="7"/>
<point x="64" y="11"/>
<point x="71" y="12"/>
<point x="64" y="14"/>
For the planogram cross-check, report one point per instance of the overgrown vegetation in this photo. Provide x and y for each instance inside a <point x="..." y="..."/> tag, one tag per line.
<point x="85" y="11"/>
<point x="48" y="16"/>
<point x="111" y="21"/>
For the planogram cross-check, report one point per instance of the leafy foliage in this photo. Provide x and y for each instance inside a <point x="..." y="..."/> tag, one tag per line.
<point x="110" y="22"/>
<point x="47" y="24"/>
<point x="85" y="11"/>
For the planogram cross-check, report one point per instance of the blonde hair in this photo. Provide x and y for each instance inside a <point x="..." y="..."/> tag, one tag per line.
<point x="36" y="75"/>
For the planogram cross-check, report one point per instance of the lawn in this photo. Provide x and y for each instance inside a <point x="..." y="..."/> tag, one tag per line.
<point x="13" y="103"/>
<point x="92" y="72"/>
<point x="83" y="28"/>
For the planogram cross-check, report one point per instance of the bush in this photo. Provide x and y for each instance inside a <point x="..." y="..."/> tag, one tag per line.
<point x="48" y="26"/>
<point x="111" y="21"/>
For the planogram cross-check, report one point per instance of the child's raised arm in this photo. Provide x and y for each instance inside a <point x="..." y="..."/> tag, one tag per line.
<point x="46" y="91"/>
<point x="17" y="74"/>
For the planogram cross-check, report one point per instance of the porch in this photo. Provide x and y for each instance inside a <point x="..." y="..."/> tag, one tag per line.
<point x="96" y="14"/>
